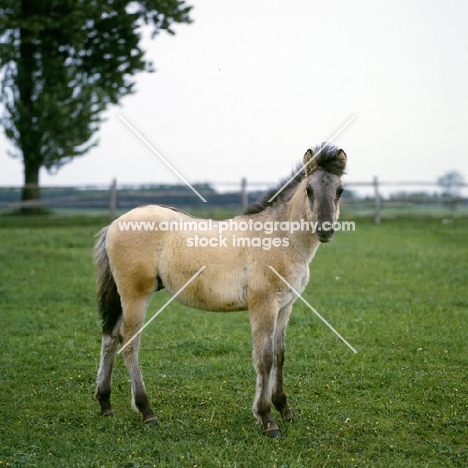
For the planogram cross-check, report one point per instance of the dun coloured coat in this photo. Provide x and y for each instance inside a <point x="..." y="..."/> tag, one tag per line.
<point x="228" y="271"/>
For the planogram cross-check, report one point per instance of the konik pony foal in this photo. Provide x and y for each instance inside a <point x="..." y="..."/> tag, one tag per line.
<point x="132" y="265"/>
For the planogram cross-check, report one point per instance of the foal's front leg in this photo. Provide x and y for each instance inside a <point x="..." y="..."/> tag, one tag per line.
<point x="263" y="320"/>
<point x="278" y="397"/>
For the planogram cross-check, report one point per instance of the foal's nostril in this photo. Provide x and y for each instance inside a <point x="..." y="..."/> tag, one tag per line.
<point x="325" y="228"/>
<point x="325" y="233"/>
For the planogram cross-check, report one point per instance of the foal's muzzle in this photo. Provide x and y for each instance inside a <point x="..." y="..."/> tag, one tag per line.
<point x="325" y="235"/>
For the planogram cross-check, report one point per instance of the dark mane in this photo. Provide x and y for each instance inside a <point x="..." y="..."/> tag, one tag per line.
<point x="282" y="197"/>
<point x="329" y="158"/>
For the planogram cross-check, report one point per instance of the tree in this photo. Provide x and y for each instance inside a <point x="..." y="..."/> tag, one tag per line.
<point x="63" y="62"/>
<point x="451" y="184"/>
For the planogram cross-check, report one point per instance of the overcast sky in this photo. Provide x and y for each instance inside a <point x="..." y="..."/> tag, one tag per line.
<point x="247" y="87"/>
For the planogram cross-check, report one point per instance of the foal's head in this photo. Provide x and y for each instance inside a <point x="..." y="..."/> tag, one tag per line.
<point x="324" y="165"/>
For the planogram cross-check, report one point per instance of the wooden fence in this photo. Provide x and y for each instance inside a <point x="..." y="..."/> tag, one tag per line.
<point x="238" y="195"/>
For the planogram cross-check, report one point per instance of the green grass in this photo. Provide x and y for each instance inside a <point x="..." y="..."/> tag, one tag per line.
<point x="396" y="292"/>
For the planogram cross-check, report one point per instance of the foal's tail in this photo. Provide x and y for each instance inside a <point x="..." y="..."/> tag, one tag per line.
<point x="108" y="299"/>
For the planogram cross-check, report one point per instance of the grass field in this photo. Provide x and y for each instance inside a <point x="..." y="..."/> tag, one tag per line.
<point x="397" y="292"/>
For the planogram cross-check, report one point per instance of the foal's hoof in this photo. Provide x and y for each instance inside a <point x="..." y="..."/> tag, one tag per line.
<point x="108" y="412"/>
<point x="152" y="422"/>
<point x="272" y="432"/>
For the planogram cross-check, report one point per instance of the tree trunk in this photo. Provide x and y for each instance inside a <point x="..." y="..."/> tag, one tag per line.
<point x="31" y="191"/>
<point x="28" y="139"/>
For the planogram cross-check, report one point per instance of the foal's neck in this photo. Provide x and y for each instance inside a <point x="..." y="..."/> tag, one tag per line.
<point x="304" y="242"/>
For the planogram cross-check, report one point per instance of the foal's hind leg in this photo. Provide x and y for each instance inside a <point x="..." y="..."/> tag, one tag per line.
<point x="133" y="317"/>
<point x="109" y="346"/>
<point x="278" y="397"/>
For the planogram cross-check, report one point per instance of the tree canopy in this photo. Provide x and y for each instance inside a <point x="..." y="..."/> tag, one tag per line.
<point x="63" y="62"/>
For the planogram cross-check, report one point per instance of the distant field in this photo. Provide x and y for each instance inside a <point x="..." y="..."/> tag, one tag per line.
<point x="397" y="292"/>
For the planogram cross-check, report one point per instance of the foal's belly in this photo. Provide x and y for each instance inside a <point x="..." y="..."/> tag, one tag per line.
<point x="218" y="292"/>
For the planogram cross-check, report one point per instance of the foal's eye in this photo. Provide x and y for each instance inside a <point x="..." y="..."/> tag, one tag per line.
<point x="339" y="191"/>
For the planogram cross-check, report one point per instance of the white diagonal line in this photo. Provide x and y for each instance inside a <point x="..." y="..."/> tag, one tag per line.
<point x="139" y="135"/>
<point x="314" y="311"/>
<point x="310" y="160"/>
<point x="161" y="309"/>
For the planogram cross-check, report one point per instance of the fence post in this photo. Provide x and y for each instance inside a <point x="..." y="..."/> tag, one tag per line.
<point x="376" y="201"/>
<point x="244" y="196"/>
<point x="113" y="199"/>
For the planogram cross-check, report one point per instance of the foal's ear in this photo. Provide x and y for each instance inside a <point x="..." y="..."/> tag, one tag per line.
<point x="309" y="163"/>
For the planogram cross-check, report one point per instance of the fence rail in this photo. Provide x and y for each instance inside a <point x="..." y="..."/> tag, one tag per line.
<point x="415" y="201"/>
